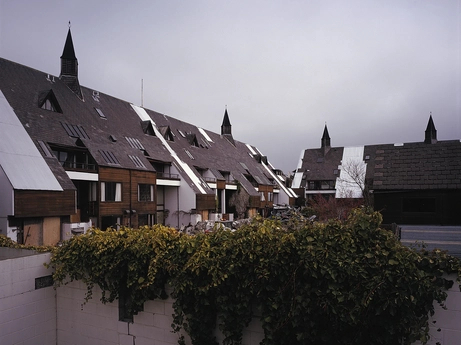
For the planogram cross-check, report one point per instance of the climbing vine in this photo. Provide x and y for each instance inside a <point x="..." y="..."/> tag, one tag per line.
<point x="325" y="283"/>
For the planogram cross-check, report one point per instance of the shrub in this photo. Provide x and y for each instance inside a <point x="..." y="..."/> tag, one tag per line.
<point x="324" y="283"/>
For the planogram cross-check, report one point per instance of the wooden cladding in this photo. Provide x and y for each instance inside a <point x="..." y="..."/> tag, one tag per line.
<point x="38" y="203"/>
<point x="220" y="184"/>
<point x="268" y="195"/>
<point x="205" y="202"/>
<point x="129" y="179"/>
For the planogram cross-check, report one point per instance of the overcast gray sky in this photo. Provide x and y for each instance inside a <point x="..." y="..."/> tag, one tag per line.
<point x="372" y="70"/>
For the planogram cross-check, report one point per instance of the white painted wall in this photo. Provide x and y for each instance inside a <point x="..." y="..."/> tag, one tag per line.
<point x="445" y="325"/>
<point x="6" y="204"/>
<point x="27" y="315"/>
<point x="97" y="324"/>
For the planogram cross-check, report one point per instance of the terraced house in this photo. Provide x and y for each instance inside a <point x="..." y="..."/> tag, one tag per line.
<point x="73" y="157"/>
<point x="409" y="183"/>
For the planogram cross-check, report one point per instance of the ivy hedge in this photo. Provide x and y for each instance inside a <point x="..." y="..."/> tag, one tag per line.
<point x="324" y="283"/>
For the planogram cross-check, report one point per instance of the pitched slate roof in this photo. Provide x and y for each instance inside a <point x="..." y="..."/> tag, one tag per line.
<point x="80" y="124"/>
<point x="418" y="166"/>
<point x="317" y="166"/>
<point x="213" y="152"/>
<point x="425" y="165"/>
<point x="116" y="136"/>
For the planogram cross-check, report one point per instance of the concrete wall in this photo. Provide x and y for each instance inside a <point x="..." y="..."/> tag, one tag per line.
<point x="31" y="315"/>
<point x="445" y="325"/>
<point x="94" y="323"/>
<point x="27" y="313"/>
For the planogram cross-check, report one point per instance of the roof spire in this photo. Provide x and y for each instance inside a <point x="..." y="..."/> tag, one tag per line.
<point x="325" y="141"/>
<point x="430" y="136"/>
<point x="226" y="127"/>
<point x="69" y="66"/>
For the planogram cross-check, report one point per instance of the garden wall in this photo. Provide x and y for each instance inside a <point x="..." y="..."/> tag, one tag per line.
<point x="31" y="312"/>
<point x="27" y="299"/>
<point x="96" y="323"/>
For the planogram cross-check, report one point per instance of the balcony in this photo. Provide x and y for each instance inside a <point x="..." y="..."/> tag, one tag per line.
<point x="165" y="175"/>
<point x="76" y="166"/>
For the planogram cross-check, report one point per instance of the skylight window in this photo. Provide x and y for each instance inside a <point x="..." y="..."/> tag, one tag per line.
<point x="182" y="133"/>
<point x="244" y="166"/>
<point x="137" y="162"/>
<point x="258" y="179"/>
<point x="189" y="154"/>
<point x="100" y="113"/>
<point x="135" y="143"/>
<point x="109" y="157"/>
<point x="75" y="131"/>
<point x="45" y="149"/>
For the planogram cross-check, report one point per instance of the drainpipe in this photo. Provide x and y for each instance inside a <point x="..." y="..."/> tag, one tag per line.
<point x="177" y="198"/>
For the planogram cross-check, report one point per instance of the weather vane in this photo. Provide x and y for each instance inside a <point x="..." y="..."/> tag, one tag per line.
<point x="69" y="24"/>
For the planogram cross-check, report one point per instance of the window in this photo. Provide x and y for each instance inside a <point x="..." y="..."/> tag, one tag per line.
<point x="262" y="197"/>
<point x="76" y="159"/>
<point x="270" y="196"/>
<point x="109" y="157"/>
<point x="189" y="154"/>
<point x="111" y="191"/>
<point x="48" y="101"/>
<point x="92" y="191"/>
<point x="135" y="143"/>
<point x="75" y="131"/>
<point x="48" y="105"/>
<point x="99" y="111"/>
<point x="146" y="220"/>
<point x="145" y="192"/>
<point x="137" y="162"/>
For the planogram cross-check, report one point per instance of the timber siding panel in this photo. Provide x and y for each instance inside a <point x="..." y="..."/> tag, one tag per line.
<point x="31" y="203"/>
<point x="129" y="180"/>
<point x="142" y="177"/>
<point x="205" y="202"/>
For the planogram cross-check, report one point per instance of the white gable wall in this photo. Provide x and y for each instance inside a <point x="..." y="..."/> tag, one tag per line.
<point x="6" y="204"/>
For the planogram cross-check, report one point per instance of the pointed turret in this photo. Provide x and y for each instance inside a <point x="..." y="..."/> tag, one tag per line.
<point x="431" y="132"/>
<point x="226" y="128"/>
<point x="69" y="66"/>
<point x="325" y="140"/>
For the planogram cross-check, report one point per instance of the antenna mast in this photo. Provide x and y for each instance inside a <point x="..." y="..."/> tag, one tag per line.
<point x="142" y="93"/>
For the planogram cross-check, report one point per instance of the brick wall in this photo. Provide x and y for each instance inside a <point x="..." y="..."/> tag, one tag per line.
<point x="27" y="311"/>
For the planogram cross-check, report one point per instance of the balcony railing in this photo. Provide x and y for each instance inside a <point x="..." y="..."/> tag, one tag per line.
<point x="166" y="175"/>
<point x="78" y="166"/>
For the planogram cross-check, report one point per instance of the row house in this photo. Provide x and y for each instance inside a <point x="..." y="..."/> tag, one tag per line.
<point x="409" y="183"/>
<point x="72" y="157"/>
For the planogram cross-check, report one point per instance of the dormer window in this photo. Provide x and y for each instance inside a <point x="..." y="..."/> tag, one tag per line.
<point x="166" y="133"/>
<point x="147" y="127"/>
<point x="48" y="101"/>
<point x="192" y="139"/>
